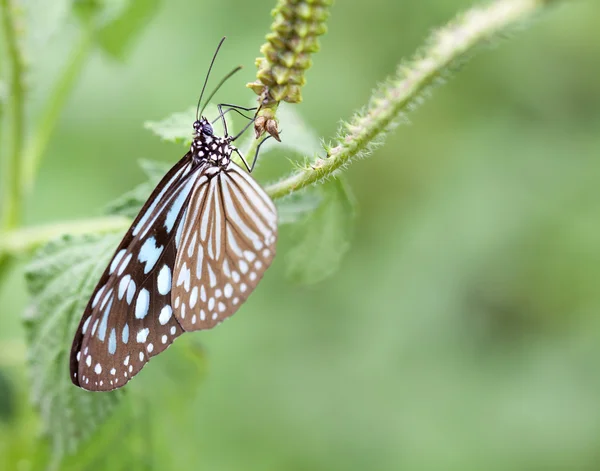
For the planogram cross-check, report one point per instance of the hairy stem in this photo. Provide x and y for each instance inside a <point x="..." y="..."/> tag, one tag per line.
<point x="32" y="156"/>
<point x="11" y="170"/>
<point x="27" y="239"/>
<point x="445" y="48"/>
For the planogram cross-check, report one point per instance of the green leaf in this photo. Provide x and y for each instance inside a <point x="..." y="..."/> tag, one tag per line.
<point x="118" y="36"/>
<point x="131" y="202"/>
<point x="323" y="237"/>
<point x="296" y="206"/>
<point x="61" y="278"/>
<point x="178" y="126"/>
<point x="116" y="22"/>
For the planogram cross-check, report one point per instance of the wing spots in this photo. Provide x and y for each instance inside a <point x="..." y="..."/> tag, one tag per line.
<point x="250" y="256"/>
<point x="106" y="298"/>
<point x="211" y="304"/>
<point x="142" y="335"/>
<point x="243" y="267"/>
<point x="177" y="302"/>
<point x="142" y="304"/>
<point x="113" y="371"/>
<point x="124" y="264"/>
<point x="228" y="290"/>
<point x="112" y="341"/>
<point x="194" y="319"/>
<point x="125" y="334"/>
<point x="202" y="315"/>
<point x="266" y="253"/>
<point x="178" y="204"/>
<point x="235" y="276"/>
<point x="184" y="277"/>
<point x="95" y="327"/>
<point x="126" y="361"/>
<point x="141" y="357"/>
<point x="233" y="243"/>
<point x="165" y="314"/>
<point x="202" y="294"/>
<point x="252" y="276"/>
<point x="85" y="326"/>
<point x="123" y="284"/>
<point x="88" y="360"/>
<point x="144" y="219"/>
<point x="218" y="293"/>
<point x="226" y="269"/>
<point x="258" y="265"/>
<point x="98" y="368"/>
<point x="164" y="339"/>
<point x="221" y="306"/>
<point x="131" y="291"/>
<point x="98" y="296"/>
<point x="180" y="229"/>
<point x="149" y="254"/>
<point x="192" y="245"/>
<point x="173" y="330"/>
<point x="243" y="287"/>
<point x="150" y="347"/>
<point x="211" y="276"/>
<point x="164" y="280"/>
<point x="193" y="297"/>
<point x="116" y="261"/>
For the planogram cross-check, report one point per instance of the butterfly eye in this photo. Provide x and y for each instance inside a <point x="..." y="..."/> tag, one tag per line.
<point x="207" y="129"/>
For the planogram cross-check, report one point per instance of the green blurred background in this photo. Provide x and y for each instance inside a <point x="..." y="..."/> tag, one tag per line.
<point x="463" y="329"/>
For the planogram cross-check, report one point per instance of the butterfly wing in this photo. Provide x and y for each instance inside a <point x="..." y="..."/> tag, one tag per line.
<point x="129" y="316"/>
<point x="228" y="241"/>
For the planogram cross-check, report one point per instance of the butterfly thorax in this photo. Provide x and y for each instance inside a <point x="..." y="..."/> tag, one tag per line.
<point x="206" y="147"/>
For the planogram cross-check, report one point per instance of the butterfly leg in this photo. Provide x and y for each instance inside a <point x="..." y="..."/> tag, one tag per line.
<point x="250" y="168"/>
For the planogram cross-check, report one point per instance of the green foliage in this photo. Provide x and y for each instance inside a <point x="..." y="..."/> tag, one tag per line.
<point x="323" y="237"/>
<point x="176" y="127"/>
<point x="61" y="278"/>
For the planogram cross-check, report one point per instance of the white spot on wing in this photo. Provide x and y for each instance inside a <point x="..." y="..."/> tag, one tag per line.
<point x="142" y="335"/>
<point x="165" y="314"/>
<point x="142" y="304"/>
<point x="163" y="281"/>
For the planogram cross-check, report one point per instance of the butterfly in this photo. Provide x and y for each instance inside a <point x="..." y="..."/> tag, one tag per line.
<point x="194" y="253"/>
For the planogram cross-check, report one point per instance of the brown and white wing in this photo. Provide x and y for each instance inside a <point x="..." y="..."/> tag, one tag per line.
<point x="227" y="242"/>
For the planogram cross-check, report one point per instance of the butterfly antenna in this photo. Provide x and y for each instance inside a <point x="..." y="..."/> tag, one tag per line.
<point x="208" y="75"/>
<point x="220" y="84"/>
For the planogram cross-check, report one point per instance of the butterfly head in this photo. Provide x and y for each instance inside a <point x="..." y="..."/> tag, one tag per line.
<point x="202" y="127"/>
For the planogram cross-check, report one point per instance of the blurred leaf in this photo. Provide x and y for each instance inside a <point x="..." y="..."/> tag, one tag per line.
<point x="178" y="126"/>
<point x="296" y="134"/>
<point x="117" y="22"/>
<point x="323" y="237"/>
<point x="131" y="202"/>
<point x="61" y="278"/>
<point x="296" y="206"/>
<point x="117" y="37"/>
<point x="7" y="398"/>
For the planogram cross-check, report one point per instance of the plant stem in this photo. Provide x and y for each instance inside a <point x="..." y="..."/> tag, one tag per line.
<point x="34" y="151"/>
<point x="444" y="49"/>
<point x="11" y="171"/>
<point x="27" y="239"/>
